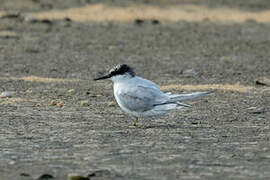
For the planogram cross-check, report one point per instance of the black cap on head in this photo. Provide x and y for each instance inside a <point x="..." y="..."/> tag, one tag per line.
<point x="118" y="70"/>
<point x="121" y="69"/>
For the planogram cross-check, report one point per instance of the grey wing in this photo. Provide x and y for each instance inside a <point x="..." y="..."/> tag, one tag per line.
<point x="141" y="98"/>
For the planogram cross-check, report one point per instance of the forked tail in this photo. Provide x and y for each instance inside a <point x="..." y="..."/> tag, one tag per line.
<point x="181" y="97"/>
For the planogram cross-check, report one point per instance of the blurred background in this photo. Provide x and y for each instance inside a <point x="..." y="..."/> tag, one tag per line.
<point x="56" y="120"/>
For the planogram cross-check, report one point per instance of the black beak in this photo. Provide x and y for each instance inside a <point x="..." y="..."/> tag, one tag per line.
<point x="103" y="77"/>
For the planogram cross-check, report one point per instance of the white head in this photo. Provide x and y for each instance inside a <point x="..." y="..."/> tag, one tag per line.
<point x="118" y="73"/>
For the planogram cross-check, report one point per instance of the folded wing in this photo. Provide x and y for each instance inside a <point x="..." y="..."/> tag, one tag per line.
<point x="141" y="98"/>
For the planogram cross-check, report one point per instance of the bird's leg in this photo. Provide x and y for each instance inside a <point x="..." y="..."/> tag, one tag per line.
<point x="135" y="122"/>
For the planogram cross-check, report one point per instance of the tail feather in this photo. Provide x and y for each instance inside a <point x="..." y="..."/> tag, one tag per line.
<point x="175" y="101"/>
<point x="166" y="107"/>
<point x="182" y="97"/>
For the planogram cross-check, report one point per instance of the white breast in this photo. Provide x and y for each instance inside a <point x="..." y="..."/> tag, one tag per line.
<point x="117" y="87"/>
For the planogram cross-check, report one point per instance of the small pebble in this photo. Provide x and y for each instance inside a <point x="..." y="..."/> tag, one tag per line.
<point x="84" y="103"/>
<point x="112" y="47"/>
<point x="8" y="34"/>
<point x="44" y="21"/>
<point x="15" y="15"/>
<point x="77" y="177"/>
<point x="25" y="174"/>
<point x="67" y="19"/>
<point x="37" y="105"/>
<point x="190" y="72"/>
<point x="111" y="104"/>
<point x="45" y="176"/>
<point x="139" y="21"/>
<point x="71" y="91"/>
<point x="7" y="94"/>
<point x="53" y="103"/>
<point x="256" y="110"/>
<point x="263" y="81"/>
<point x="60" y="104"/>
<point x="11" y="162"/>
<point x="29" y="91"/>
<point x="155" y="21"/>
<point x="100" y="173"/>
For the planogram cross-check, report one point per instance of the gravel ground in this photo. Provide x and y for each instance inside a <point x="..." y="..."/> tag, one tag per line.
<point x="59" y="121"/>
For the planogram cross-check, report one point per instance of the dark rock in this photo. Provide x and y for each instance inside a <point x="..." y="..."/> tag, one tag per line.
<point x="45" y="176"/>
<point x="44" y="21"/>
<point x="263" y="81"/>
<point x="67" y="19"/>
<point x="139" y="21"/>
<point x="155" y="22"/>
<point x="100" y="173"/>
<point x="25" y="174"/>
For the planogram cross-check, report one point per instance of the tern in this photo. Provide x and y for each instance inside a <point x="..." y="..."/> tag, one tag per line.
<point x="143" y="98"/>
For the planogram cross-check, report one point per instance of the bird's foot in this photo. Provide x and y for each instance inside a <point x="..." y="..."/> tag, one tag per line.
<point x="134" y="124"/>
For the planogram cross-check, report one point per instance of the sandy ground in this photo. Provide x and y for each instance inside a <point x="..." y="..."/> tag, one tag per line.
<point x="59" y="121"/>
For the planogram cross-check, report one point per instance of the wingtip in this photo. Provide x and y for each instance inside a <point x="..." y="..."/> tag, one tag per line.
<point x="183" y="105"/>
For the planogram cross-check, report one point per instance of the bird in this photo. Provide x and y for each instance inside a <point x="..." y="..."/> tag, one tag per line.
<point x="143" y="98"/>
